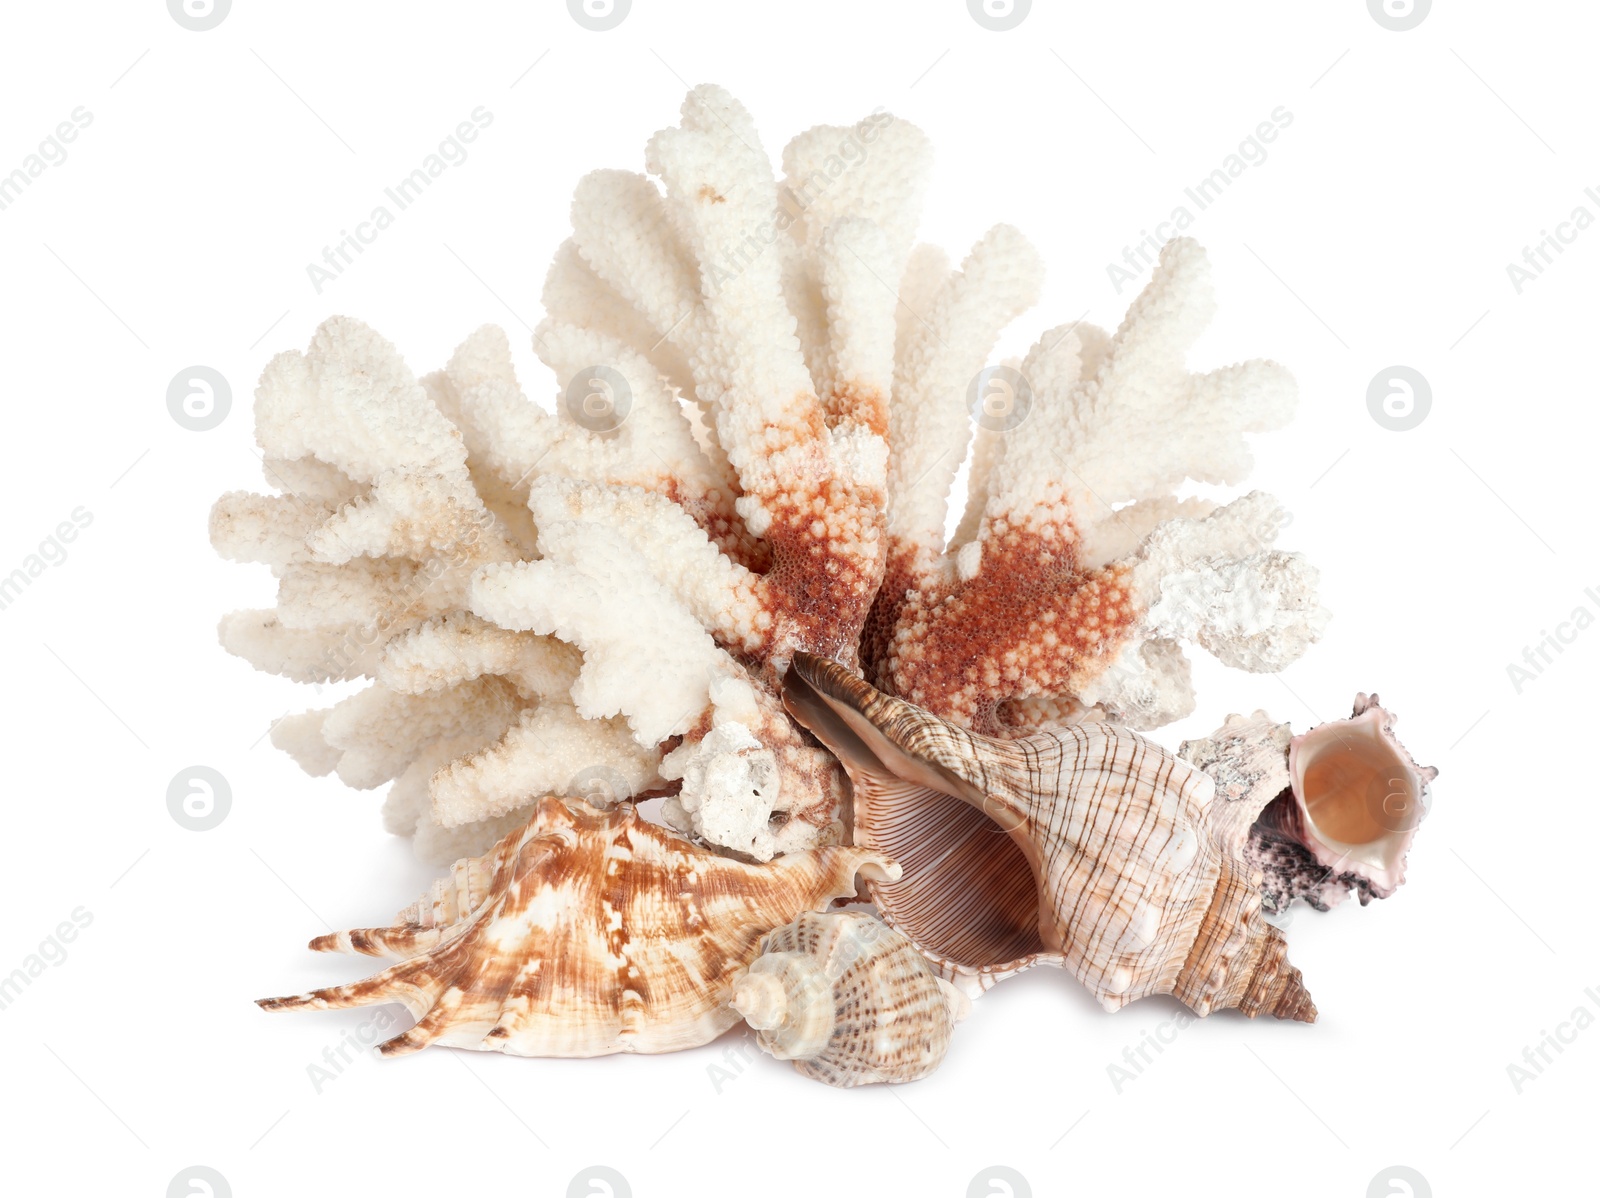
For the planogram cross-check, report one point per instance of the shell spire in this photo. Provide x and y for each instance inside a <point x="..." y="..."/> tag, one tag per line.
<point x="1240" y="961"/>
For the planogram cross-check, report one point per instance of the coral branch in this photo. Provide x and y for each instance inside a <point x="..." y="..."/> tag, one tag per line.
<point x="760" y="394"/>
<point x="1021" y="612"/>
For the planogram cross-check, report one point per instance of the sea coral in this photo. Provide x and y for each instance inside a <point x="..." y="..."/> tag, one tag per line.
<point x="763" y="394"/>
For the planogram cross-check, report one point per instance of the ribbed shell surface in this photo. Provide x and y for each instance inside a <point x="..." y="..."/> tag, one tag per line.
<point x="1089" y="847"/>
<point x="597" y="933"/>
<point x="1119" y="875"/>
<point x="891" y="1017"/>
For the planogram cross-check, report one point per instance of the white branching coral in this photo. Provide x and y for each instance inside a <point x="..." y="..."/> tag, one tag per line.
<point x="763" y="393"/>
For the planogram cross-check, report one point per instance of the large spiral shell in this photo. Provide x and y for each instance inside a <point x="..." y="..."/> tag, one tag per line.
<point x="1090" y="848"/>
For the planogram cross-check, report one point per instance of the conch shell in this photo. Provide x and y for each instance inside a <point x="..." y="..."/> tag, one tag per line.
<point x="848" y="1000"/>
<point x="586" y="932"/>
<point x="1354" y="799"/>
<point x="1086" y="847"/>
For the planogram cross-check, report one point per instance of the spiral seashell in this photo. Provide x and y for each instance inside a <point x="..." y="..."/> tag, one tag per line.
<point x="586" y="932"/>
<point x="1354" y="800"/>
<point x="849" y="1001"/>
<point x="1087" y="847"/>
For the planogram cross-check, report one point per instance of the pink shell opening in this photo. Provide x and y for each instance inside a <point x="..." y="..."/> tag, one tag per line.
<point x="1359" y="795"/>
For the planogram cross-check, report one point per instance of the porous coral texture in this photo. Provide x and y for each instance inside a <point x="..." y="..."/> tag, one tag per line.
<point x="762" y="393"/>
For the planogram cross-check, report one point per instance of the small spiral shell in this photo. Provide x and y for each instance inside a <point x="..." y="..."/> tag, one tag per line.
<point x="848" y="1000"/>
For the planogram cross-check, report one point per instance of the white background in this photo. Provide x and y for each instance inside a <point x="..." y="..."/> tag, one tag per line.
<point x="1377" y="232"/>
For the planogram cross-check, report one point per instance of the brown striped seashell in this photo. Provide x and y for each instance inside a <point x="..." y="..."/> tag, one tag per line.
<point x="1347" y="814"/>
<point x="849" y="1001"/>
<point x="583" y="933"/>
<point x="1087" y="847"/>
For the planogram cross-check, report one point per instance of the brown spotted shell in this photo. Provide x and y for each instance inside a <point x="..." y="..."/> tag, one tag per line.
<point x="1088" y="847"/>
<point x="850" y="1001"/>
<point x="583" y="933"/>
